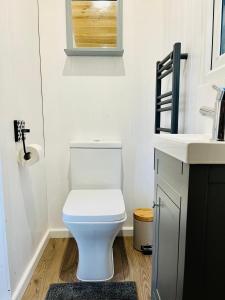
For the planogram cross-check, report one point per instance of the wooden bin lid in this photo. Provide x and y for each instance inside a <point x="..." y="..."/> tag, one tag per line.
<point x="144" y="214"/>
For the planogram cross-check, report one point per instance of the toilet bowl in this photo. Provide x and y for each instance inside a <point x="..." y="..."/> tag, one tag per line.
<point x="94" y="217"/>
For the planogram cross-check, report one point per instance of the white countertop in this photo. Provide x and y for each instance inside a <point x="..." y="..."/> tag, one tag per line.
<point x="191" y="148"/>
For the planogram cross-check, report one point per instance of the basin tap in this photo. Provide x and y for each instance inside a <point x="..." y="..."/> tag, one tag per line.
<point x="219" y="117"/>
<point x="218" y="114"/>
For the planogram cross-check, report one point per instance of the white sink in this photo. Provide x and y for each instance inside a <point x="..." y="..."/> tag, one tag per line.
<point x="191" y="148"/>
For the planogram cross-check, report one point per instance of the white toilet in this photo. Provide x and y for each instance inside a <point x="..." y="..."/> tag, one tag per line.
<point x="94" y="211"/>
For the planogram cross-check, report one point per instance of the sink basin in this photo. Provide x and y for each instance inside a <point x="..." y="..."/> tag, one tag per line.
<point x="191" y="148"/>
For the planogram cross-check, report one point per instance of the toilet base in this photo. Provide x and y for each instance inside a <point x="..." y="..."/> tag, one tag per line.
<point x="99" y="280"/>
<point x="95" y="246"/>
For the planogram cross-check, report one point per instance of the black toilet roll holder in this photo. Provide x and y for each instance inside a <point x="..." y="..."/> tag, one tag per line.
<point x="20" y="136"/>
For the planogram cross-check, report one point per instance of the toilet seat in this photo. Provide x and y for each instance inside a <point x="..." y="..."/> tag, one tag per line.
<point x="94" y="206"/>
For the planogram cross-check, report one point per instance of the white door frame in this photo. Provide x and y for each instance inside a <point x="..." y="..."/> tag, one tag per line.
<point x="5" y="292"/>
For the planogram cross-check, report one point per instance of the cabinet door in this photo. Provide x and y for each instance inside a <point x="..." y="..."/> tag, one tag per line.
<point x="167" y="225"/>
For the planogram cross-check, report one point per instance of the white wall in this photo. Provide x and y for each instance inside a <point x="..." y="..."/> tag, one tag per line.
<point x="111" y="98"/>
<point x="20" y="98"/>
<point x="189" y="21"/>
<point x="5" y="293"/>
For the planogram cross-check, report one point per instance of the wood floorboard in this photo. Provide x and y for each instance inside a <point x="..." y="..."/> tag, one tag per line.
<point x="137" y="268"/>
<point x="59" y="262"/>
<point x="69" y="262"/>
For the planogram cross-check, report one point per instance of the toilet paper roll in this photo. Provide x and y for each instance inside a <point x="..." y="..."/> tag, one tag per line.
<point x="36" y="155"/>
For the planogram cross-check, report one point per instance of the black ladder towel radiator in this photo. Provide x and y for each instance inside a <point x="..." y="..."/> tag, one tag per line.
<point x="168" y="101"/>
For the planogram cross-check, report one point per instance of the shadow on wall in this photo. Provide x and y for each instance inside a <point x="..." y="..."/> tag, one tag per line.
<point x="94" y="66"/>
<point x="28" y="197"/>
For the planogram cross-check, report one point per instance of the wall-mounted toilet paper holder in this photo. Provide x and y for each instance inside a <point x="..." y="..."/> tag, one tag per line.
<point x="20" y="135"/>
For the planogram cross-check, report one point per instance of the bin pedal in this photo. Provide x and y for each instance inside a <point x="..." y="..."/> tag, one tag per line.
<point x="146" y="249"/>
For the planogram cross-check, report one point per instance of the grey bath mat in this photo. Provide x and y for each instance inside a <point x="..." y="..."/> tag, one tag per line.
<point x="93" y="291"/>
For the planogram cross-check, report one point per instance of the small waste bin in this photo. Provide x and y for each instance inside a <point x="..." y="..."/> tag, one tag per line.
<point x="143" y="227"/>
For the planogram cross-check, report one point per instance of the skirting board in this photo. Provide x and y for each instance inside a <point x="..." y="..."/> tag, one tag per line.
<point x="51" y="233"/>
<point x="27" y="275"/>
<point x="64" y="232"/>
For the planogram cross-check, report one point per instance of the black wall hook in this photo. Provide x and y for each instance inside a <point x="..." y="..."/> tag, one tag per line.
<point x="20" y="135"/>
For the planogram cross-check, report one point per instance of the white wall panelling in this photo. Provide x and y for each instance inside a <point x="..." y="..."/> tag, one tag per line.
<point x="5" y="290"/>
<point x="20" y="98"/>
<point x="111" y="98"/>
<point x="190" y="22"/>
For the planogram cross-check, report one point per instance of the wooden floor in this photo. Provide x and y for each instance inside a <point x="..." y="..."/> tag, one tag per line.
<point x="59" y="262"/>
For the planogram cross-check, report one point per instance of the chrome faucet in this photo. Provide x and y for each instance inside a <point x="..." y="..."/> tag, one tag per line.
<point x="218" y="114"/>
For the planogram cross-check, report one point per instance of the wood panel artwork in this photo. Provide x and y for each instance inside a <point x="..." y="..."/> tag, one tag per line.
<point x="94" y="24"/>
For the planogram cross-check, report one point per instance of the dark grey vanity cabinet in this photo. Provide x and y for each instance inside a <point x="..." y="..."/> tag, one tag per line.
<point x="189" y="231"/>
<point x="167" y="238"/>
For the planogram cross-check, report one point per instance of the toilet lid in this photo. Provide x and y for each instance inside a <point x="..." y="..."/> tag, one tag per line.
<point x="94" y="206"/>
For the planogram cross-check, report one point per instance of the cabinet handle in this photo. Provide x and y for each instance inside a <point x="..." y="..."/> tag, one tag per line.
<point x="155" y="205"/>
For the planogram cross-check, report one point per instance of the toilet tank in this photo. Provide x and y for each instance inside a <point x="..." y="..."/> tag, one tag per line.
<point x="95" y="165"/>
